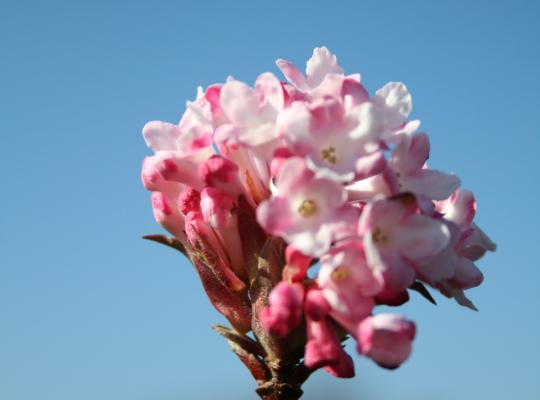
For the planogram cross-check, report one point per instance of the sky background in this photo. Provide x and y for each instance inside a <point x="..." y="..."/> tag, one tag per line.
<point x="90" y="311"/>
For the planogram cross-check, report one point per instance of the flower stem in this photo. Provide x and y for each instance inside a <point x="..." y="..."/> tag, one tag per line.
<point x="284" y="384"/>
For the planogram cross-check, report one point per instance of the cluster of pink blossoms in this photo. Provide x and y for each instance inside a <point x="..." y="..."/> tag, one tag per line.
<point x="341" y="178"/>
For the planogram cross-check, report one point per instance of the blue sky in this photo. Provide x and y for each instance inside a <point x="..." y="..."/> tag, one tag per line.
<point x="90" y="311"/>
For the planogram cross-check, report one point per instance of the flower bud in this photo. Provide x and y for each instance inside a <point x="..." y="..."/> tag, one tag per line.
<point x="153" y="181"/>
<point x="189" y="200"/>
<point x="203" y="238"/>
<point x="386" y="339"/>
<point x="167" y="214"/>
<point x="216" y="210"/>
<point x="324" y="350"/>
<point x="177" y="169"/>
<point x="216" y="207"/>
<point x="316" y="305"/>
<point x="221" y="173"/>
<point x="343" y="368"/>
<point x="285" y="310"/>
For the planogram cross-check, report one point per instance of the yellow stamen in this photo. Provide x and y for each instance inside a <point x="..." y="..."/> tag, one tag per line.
<point x="307" y="208"/>
<point x="329" y="155"/>
<point x="378" y="236"/>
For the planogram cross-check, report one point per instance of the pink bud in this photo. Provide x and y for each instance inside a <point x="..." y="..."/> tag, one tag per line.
<point x="344" y="368"/>
<point x="216" y="210"/>
<point x="154" y="181"/>
<point x="189" y="200"/>
<point x="204" y="239"/>
<point x="324" y="350"/>
<point x="177" y="169"/>
<point x="285" y="310"/>
<point x="167" y="214"/>
<point x="216" y="207"/>
<point x="386" y="339"/>
<point x="316" y="306"/>
<point x="221" y="173"/>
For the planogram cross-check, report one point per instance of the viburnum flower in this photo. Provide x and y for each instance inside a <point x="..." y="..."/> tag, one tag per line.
<point x="309" y="212"/>
<point x="303" y="204"/>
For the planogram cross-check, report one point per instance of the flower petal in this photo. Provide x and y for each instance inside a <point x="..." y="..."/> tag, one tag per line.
<point x="433" y="184"/>
<point x="272" y="91"/>
<point x="421" y="238"/>
<point x="410" y="154"/>
<point x="396" y="103"/>
<point x="293" y="74"/>
<point x="161" y="136"/>
<point x="240" y="103"/>
<point x="321" y="63"/>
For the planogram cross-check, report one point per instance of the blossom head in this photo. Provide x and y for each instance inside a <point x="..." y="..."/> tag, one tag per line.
<point x="304" y="204"/>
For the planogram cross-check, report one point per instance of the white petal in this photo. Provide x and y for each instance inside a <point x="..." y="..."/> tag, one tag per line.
<point x="161" y="136"/>
<point x="321" y="63"/>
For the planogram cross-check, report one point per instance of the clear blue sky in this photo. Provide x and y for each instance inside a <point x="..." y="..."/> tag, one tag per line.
<point x="90" y="311"/>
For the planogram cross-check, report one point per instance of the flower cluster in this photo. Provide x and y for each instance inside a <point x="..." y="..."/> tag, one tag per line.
<point x="331" y="187"/>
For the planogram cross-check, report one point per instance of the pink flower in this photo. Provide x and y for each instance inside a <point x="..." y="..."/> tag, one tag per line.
<point x="305" y="204"/>
<point x="453" y="270"/>
<point x="252" y="112"/>
<point x="349" y="283"/>
<point x="458" y="213"/>
<point x="324" y="77"/>
<point x="319" y="67"/>
<point x="408" y="159"/>
<point x="284" y="312"/>
<point x="386" y="339"/>
<point x="339" y="144"/>
<point x="248" y="134"/>
<point x="306" y="211"/>
<point x="397" y="239"/>
<point x="345" y="265"/>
